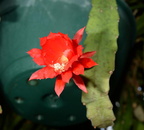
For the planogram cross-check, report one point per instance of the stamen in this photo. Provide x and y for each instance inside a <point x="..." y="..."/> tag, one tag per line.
<point x="58" y="67"/>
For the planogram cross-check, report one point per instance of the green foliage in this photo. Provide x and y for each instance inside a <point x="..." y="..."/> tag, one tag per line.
<point x="102" y="34"/>
<point x="130" y="114"/>
<point x="140" y="25"/>
<point x="137" y="7"/>
<point x="9" y="120"/>
<point x="124" y="117"/>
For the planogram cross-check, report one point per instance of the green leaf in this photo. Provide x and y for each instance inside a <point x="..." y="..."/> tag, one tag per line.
<point x="102" y="34"/>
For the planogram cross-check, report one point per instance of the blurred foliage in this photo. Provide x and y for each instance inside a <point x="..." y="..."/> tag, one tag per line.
<point x="137" y="7"/>
<point x="130" y="112"/>
<point x="130" y="115"/>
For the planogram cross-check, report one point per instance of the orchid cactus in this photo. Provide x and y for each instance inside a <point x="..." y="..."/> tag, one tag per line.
<point x="63" y="59"/>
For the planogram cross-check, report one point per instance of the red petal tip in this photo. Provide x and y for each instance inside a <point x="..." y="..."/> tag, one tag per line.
<point x="27" y="52"/>
<point x="78" y="36"/>
<point x="79" y="82"/>
<point x="85" y="91"/>
<point x="59" y="86"/>
<point x="88" y="54"/>
<point x="31" y="78"/>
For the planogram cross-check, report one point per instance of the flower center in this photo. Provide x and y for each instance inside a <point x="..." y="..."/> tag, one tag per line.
<point x="59" y="67"/>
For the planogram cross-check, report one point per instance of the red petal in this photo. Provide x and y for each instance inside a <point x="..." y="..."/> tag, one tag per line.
<point x="87" y="62"/>
<point x="35" y="52"/>
<point x="55" y="47"/>
<point x="43" y="41"/>
<point x="44" y="73"/>
<point x="88" y="54"/>
<point x="37" y="55"/>
<point x="39" y="61"/>
<point x="72" y="60"/>
<point x="59" y="85"/>
<point x="78" y="36"/>
<point x="79" y="82"/>
<point x="79" y="50"/>
<point x="66" y="76"/>
<point x="68" y="53"/>
<point x="78" y="68"/>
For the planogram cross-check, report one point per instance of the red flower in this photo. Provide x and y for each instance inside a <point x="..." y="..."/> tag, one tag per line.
<point x="63" y="59"/>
